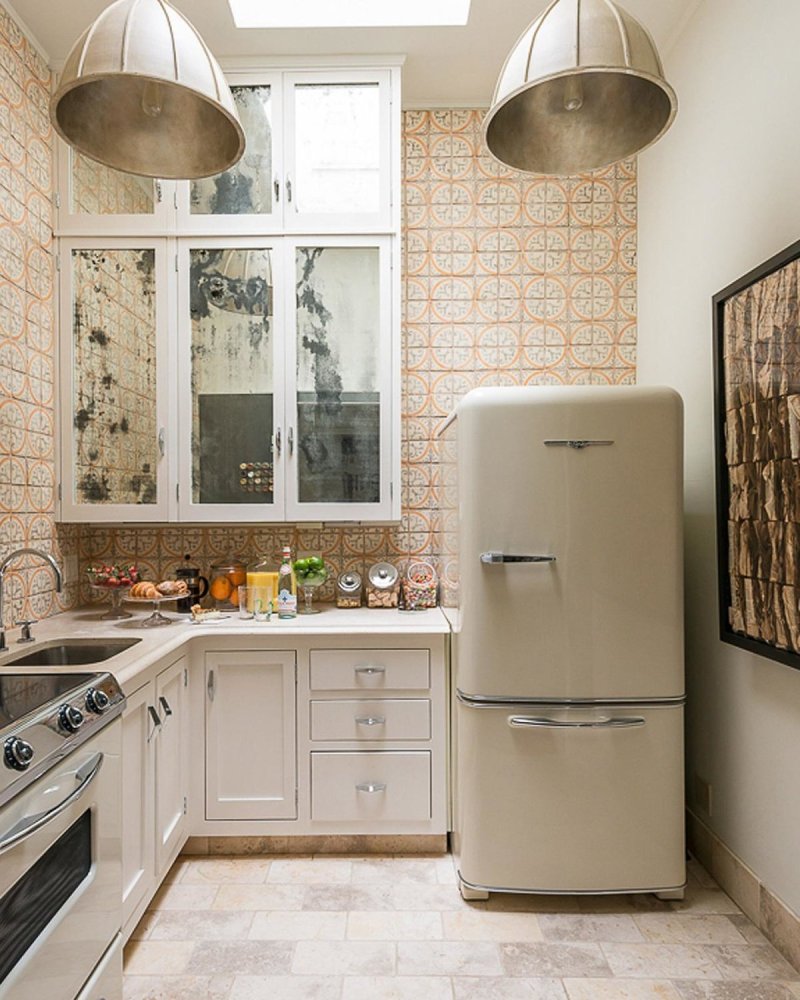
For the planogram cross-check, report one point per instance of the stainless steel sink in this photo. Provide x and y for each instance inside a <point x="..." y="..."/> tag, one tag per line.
<point x="70" y="653"/>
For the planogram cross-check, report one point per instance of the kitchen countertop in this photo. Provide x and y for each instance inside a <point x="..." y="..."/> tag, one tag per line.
<point x="85" y="623"/>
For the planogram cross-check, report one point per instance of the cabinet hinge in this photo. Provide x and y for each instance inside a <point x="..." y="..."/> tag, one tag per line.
<point x="58" y="263"/>
<point x="175" y="198"/>
<point x="58" y="200"/>
<point x="186" y="677"/>
<point x="59" y="491"/>
<point x="176" y="262"/>
<point x="177" y="491"/>
<point x="391" y="490"/>
<point x="185" y="806"/>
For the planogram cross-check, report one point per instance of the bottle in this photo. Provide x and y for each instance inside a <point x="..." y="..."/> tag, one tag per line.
<point x="287" y="588"/>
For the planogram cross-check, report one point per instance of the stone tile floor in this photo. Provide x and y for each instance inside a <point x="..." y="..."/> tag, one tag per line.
<point x="395" y="928"/>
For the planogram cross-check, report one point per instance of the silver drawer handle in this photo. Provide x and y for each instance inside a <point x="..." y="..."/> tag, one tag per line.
<point x="537" y="722"/>
<point x="371" y="720"/>
<point x="370" y="671"/>
<point x="504" y="557"/>
<point x="28" y="825"/>
<point x="371" y="786"/>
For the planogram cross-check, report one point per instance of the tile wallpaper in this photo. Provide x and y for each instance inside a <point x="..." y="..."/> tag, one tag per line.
<point x="507" y="279"/>
<point x="27" y="340"/>
<point x="100" y="190"/>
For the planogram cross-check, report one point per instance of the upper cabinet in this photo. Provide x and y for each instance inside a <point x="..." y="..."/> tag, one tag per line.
<point x="321" y="156"/>
<point x="230" y="346"/>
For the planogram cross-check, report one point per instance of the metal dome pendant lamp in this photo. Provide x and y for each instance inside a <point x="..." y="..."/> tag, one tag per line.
<point x="582" y="88"/>
<point x="141" y="92"/>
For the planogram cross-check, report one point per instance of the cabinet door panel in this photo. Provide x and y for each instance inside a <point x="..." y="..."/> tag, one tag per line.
<point x="138" y="730"/>
<point x="115" y="413"/>
<point x="231" y="384"/>
<point x="171" y="762"/>
<point x="250" y="735"/>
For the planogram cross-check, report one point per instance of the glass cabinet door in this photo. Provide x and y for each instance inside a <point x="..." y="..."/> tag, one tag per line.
<point x="94" y="199"/>
<point x="229" y="393"/>
<point x="115" y="417"/>
<point x="248" y="197"/>
<point x="339" y="454"/>
<point x="338" y="152"/>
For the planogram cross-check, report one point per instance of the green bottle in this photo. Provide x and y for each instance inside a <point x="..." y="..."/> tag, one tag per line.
<point x="287" y="587"/>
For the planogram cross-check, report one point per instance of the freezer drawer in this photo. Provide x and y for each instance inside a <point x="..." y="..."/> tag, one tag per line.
<point x="371" y="786"/>
<point x="381" y="719"/>
<point x="571" y="800"/>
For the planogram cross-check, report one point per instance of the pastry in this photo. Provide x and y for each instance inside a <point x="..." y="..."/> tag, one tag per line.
<point x="145" y="589"/>
<point x="173" y="588"/>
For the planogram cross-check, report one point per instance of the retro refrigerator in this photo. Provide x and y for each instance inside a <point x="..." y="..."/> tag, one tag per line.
<point x="562" y="565"/>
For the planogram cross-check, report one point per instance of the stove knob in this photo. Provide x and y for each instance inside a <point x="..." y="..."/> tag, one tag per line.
<point x="70" y="718"/>
<point x="97" y="701"/>
<point x="17" y="753"/>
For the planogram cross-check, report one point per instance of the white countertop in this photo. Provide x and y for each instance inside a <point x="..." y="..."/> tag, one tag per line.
<point x="85" y="623"/>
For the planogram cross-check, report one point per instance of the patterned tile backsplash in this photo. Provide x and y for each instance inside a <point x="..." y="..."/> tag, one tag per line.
<point x="508" y="279"/>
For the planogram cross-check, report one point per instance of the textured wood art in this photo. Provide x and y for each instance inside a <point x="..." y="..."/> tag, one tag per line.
<point x="758" y="458"/>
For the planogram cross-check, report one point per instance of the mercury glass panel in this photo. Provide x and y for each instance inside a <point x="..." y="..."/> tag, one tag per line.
<point x="101" y="190"/>
<point x="338" y="138"/>
<point x="245" y="189"/>
<point x="231" y="302"/>
<point x="114" y="384"/>
<point x="338" y="356"/>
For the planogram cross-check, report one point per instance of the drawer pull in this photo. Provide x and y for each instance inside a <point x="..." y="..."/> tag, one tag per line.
<point x="371" y="720"/>
<point x="371" y="786"/>
<point x="533" y="721"/>
<point x="370" y="671"/>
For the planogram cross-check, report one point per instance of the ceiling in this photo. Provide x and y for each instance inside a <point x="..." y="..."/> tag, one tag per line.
<point x="444" y="67"/>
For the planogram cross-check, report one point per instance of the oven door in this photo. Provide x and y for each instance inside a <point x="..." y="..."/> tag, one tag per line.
<point x="61" y="873"/>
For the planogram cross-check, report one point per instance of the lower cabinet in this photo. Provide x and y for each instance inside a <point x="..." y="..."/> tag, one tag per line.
<point x="251" y="743"/>
<point x="155" y="777"/>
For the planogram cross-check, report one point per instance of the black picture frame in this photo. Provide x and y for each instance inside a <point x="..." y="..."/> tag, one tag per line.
<point x="757" y="445"/>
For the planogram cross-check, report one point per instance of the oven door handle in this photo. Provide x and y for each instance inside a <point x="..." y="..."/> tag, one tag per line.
<point x="28" y="825"/>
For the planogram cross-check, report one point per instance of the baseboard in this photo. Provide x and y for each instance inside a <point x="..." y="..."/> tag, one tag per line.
<point x="779" y="924"/>
<point x="352" y="844"/>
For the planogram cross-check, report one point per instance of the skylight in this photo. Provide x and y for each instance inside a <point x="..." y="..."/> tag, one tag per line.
<point x="348" y="13"/>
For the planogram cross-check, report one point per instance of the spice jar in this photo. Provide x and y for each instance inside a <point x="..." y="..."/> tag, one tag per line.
<point x="420" y="586"/>
<point x="383" y="588"/>
<point x="224" y="580"/>
<point x="348" y="590"/>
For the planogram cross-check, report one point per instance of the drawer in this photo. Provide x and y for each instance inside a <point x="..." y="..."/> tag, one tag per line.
<point x="381" y="719"/>
<point x="371" y="786"/>
<point x="370" y="669"/>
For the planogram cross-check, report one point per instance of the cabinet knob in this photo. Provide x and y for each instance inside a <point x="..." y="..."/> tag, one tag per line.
<point x="371" y="786"/>
<point x="371" y="720"/>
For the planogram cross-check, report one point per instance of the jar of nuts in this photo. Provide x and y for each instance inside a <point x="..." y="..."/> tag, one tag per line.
<point x="383" y="588"/>
<point x="419" y="586"/>
<point x="348" y="590"/>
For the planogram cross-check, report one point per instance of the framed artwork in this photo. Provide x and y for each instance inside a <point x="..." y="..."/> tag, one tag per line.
<point x="757" y="417"/>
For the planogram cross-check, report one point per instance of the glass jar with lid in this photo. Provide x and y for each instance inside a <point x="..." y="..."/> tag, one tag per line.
<point x="383" y="587"/>
<point x="224" y="580"/>
<point x="348" y="590"/>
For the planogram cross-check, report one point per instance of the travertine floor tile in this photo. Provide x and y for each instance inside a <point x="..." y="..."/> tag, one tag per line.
<point x="447" y="958"/>
<point x="344" y="958"/>
<point x="489" y="925"/>
<point x="259" y="897"/>
<point x="554" y="960"/>
<point x="397" y="988"/>
<point x="177" y="987"/>
<point x="382" y="925"/>
<point x="299" y="925"/>
<point x="586" y="927"/>
<point x="242" y="958"/>
<point x="620" y="989"/>
<point x="225" y="871"/>
<point x="158" y="958"/>
<point x="487" y="988"/>
<point x="286" y="988"/>
<point x="742" y="990"/>
<point x="661" y="961"/>
<point x="315" y="871"/>
<point x="684" y="928"/>
<point x="177" y="896"/>
<point x="406" y="896"/>
<point x="395" y="870"/>
<point x="750" y="961"/>
<point x="202" y="925"/>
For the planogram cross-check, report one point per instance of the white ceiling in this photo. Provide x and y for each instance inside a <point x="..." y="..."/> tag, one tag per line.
<point x="444" y="66"/>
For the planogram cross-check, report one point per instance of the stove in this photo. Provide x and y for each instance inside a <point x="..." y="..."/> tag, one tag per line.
<point x="44" y="717"/>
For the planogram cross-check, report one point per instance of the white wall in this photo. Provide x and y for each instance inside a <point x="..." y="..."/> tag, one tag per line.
<point x="718" y="195"/>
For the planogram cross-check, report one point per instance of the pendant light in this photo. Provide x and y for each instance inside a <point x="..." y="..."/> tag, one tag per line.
<point x="141" y="92"/>
<point x="582" y="88"/>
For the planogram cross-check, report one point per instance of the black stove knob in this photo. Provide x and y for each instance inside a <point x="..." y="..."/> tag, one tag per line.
<point x="70" y="718"/>
<point x="17" y="753"/>
<point x="97" y="701"/>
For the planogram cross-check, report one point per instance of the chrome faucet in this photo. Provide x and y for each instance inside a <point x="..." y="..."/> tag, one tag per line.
<point x="4" y="563"/>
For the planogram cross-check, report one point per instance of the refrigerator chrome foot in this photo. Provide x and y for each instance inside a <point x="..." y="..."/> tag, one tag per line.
<point x="470" y="894"/>
<point x="670" y="894"/>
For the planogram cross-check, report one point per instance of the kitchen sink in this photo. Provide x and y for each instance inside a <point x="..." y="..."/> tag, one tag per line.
<point x="70" y="653"/>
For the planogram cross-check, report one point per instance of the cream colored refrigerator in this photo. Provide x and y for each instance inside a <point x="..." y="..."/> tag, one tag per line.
<point x="562" y="570"/>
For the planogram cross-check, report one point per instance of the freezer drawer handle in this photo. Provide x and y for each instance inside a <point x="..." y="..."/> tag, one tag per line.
<point x="371" y="720"/>
<point x="369" y="671"/>
<point x="540" y="722"/>
<point x="371" y="786"/>
<point x="504" y="557"/>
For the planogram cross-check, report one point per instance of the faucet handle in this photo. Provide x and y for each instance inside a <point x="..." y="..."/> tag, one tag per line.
<point x="26" y="629"/>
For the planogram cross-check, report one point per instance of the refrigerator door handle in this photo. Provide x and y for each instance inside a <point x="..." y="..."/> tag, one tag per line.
<point x="504" y="557"/>
<point x="542" y="722"/>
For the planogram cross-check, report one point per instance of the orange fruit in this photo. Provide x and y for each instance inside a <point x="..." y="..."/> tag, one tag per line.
<point x="220" y="588"/>
<point x="238" y="577"/>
